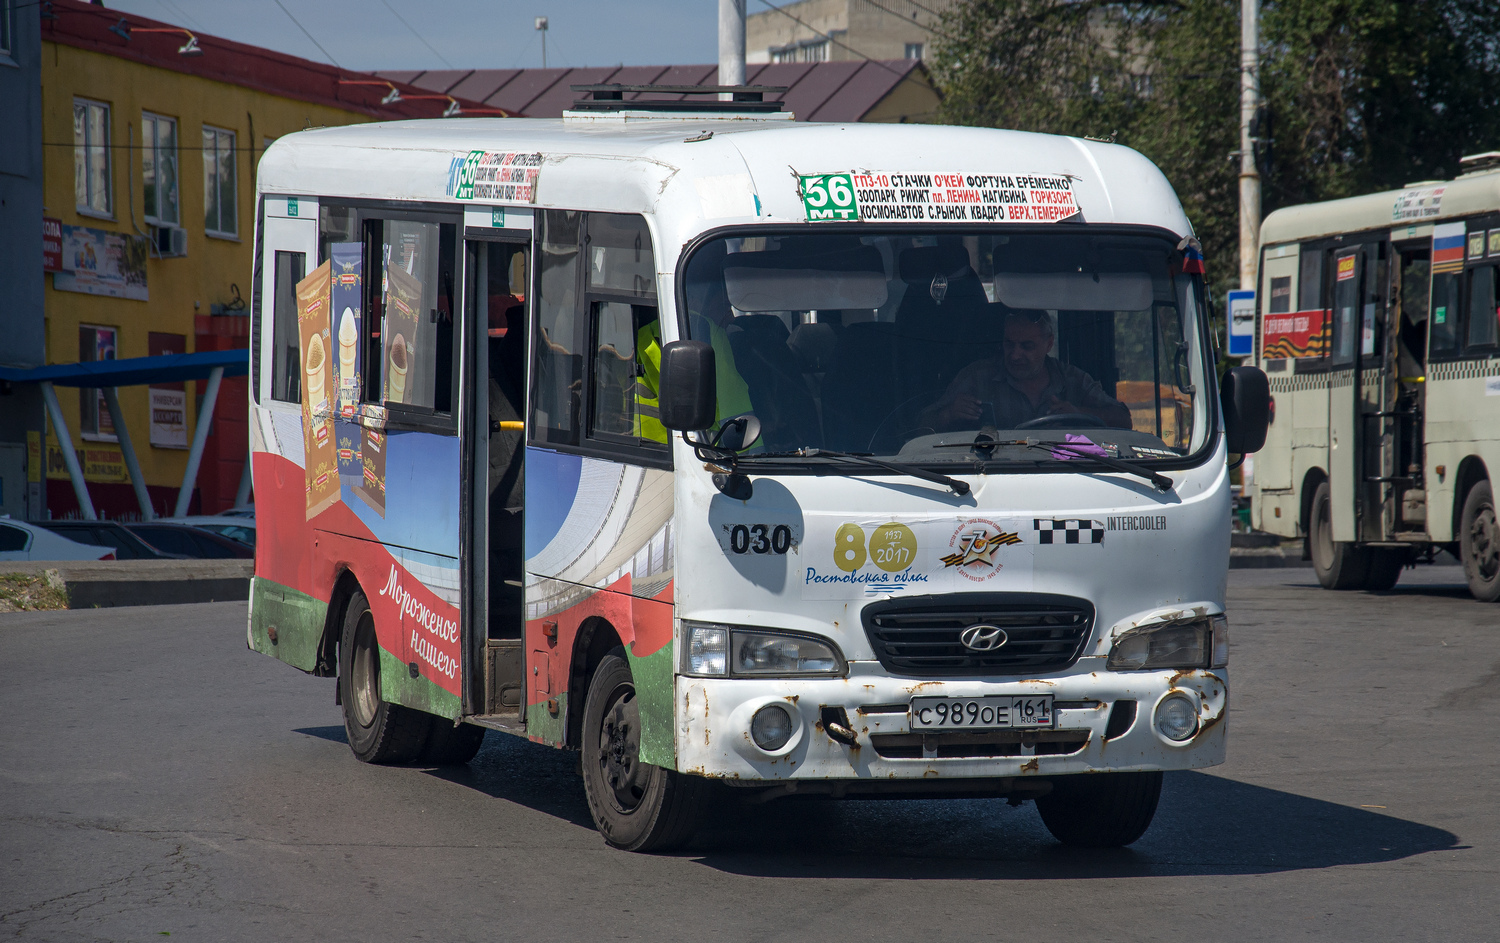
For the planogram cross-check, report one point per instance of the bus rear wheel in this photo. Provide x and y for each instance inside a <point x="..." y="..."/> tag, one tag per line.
<point x="1479" y="541"/>
<point x="1100" y="810"/>
<point x="636" y="806"/>
<point x="1338" y="565"/>
<point x="378" y="731"/>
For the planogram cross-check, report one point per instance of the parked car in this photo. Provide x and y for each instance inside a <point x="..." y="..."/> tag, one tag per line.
<point x="112" y="534"/>
<point x="241" y="529"/>
<point x="189" y="541"/>
<point x="22" y="541"/>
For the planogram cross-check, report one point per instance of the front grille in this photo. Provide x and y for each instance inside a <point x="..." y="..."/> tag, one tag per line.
<point x="920" y="635"/>
<point x="955" y="745"/>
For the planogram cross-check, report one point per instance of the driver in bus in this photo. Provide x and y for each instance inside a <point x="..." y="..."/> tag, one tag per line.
<point x="1023" y="383"/>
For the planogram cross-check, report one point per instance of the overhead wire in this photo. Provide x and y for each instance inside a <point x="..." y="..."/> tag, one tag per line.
<point x="413" y="31"/>
<point x="310" y="36"/>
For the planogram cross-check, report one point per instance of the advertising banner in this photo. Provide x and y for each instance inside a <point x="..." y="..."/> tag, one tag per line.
<point x="403" y="306"/>
<point x="947" y="196"/>
<point x="169" y="418"/>
<point x="1295" y="335"/>
<point x="348" y="306"/>
<point x="52" y="249"/>
<point x="321" y="454"/>
<point x="371" y="487"/>
<point x="95" y="262"/>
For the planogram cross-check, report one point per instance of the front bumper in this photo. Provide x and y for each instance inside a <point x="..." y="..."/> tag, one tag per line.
<point x="713" y="739"/>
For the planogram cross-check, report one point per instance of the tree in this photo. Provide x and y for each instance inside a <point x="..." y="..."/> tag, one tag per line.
<point x="1361" y="95"/>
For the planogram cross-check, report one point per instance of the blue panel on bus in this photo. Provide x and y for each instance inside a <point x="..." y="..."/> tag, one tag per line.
<point x="421" y="494"/>
<point x="551" y="487"/>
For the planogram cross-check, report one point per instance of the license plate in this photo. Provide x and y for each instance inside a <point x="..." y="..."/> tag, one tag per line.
<point x="980" y="713"/>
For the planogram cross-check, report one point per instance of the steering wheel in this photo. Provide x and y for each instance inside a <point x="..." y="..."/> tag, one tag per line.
<point x="902" y="423"/>
<point x="1064" y="419"/>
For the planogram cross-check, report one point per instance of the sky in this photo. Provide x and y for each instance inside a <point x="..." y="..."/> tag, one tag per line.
<point x="469" y="34"/>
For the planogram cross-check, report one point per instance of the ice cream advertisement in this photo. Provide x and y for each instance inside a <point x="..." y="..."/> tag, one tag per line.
<point x="321" y="467"/>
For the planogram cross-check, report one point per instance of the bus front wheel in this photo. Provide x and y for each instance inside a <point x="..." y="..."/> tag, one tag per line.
<point x="1100" y="810"/>
<point x="636" y="806"/>
<point x="1339" y="565"/>
<point x="1479" y="539"/>
<point x="378" y="731"/>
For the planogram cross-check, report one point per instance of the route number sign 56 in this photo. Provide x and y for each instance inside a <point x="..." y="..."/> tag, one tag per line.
<point x="829" y="196"/>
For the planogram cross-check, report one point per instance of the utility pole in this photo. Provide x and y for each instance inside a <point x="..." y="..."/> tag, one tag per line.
<point x="731" y="43"/>
<point x="541" y="25"/>
<point x="1249" y="174"/>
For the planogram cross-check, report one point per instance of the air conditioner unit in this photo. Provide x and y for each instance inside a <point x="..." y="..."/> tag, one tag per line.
<point x="171" y="241"/>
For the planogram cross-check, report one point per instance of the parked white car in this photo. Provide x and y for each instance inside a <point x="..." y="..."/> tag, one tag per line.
<point x="22" y="541"/>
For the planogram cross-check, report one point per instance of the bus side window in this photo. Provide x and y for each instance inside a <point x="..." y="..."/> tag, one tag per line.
<point x="1310" y="298"/>
<point x="1484" y="329"/>
<point x="410" y="321"/>
<point x="1346" y="305"/>
<point x="557" y="381"/>
<point x="626" y="332"/>
<point x="290" y="267"/>
<point x="1443" y="338"/>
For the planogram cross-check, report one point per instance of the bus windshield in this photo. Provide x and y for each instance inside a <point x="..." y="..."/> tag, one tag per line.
<point x="916" y="346"/>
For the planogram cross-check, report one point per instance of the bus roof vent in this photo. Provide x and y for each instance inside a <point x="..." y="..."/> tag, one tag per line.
<point x="1487" y="162"/>
<point x="745" y="99"/>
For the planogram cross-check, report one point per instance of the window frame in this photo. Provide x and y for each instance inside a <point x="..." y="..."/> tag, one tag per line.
<point x="211" y="179"/>
<point x="1207" y="348"/>
<point x="401" y="417"/>
<point x="632" y="450"/>
<point x="7" y="33"/>
<point x="152" y="214"/>
<point x="87" y="148"/>
<point x="90" y="409"/>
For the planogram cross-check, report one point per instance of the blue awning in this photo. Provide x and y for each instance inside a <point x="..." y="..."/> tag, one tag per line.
<point x="136" y="371"/>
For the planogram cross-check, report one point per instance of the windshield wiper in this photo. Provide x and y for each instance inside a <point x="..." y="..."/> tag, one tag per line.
<point x="958" y="487"/>
<point x="1094" y="453"/>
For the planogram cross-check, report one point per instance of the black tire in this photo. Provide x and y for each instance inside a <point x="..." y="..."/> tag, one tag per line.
<point x="378" y="732"/>
<point x="1386" y="564"/>
<point x="636" y="806"/>
<point x="1100" y="810"/>
<point x="1479" y="543"/>
<point x="1338" y="565"/>
<point x="450" y="744"/>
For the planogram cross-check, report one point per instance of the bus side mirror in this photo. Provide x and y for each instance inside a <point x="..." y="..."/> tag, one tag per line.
<point x="1246" y="398"/>
<point x="688" y="396"/>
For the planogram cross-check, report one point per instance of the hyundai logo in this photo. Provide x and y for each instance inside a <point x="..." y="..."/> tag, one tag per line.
<point x="983" y="638"/>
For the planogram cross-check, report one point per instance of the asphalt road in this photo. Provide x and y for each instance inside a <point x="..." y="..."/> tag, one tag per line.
<point x="158" y="778"/>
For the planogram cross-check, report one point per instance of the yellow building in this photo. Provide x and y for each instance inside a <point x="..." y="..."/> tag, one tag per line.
<point x="150" y="139"/>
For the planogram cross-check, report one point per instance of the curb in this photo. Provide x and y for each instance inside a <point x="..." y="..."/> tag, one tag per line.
<point x="111" y="583"/>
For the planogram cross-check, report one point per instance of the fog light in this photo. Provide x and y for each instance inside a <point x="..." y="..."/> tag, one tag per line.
<point x="771" y="727"/>
<point x="1177" y="718"/>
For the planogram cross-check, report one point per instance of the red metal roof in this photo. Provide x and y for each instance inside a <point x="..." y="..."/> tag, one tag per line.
<point x="86" y="26"/>
<point x="816" y="91"/>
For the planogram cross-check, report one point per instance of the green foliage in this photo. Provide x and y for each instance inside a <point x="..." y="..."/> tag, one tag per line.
<point x="1361" y="95"/>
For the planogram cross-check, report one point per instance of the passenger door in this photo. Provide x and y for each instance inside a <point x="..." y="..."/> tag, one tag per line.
<point x="497" y="292"/>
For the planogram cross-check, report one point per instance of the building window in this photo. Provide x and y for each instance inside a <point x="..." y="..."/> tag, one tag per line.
<point x="91" y="170"/>
<point x="808" y="51"/>
<point x="95" y="343"/>
<point x="220" y="193"/>
<point x="913" y="50"/>
<point x="159" y="165"/>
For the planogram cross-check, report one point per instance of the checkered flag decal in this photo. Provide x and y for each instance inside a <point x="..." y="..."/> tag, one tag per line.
<point x="1073" y="531"/>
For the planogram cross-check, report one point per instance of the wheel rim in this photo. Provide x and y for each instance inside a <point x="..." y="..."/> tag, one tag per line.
<point x="1322" y="542"/>
<point x="1484" y="543"/>
<point x="364" y="673"/>
<point x="620" y="750"/>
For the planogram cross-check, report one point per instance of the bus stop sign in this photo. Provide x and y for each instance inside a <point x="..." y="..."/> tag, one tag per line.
<point x="1241" y="323"/>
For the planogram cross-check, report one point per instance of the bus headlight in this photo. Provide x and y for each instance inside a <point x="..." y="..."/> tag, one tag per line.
<point x="722" y="650"/>
<point x="1200" y="643"/>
